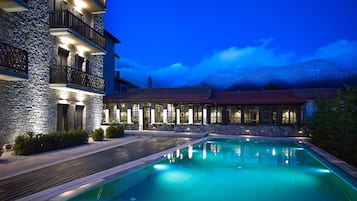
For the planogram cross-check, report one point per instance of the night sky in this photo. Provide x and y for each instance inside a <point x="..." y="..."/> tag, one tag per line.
<point x="187" y="42"/>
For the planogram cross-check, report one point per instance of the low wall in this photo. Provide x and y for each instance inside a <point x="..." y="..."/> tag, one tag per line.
<point x="261" y="130"/>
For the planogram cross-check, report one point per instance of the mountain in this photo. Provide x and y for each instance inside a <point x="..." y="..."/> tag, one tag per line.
<point x="314" y="73"/>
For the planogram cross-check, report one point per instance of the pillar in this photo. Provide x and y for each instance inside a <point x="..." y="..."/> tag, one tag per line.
<point x="190" y="116"/>
<point x="204" y="116"/>
<point x="152" y="114"/>
<point x="141" y="119"/>
<point x="178" y="117"/>
<point x="164" y="116"/>
<point x="129" y="116"/>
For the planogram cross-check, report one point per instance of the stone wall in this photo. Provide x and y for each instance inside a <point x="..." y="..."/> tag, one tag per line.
<point x="31" y="105"/>
<point x="26" y="104"/>
<point x="260" y="130"/>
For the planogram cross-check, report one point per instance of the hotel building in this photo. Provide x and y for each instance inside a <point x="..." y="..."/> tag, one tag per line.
<point x="51" y="66"/>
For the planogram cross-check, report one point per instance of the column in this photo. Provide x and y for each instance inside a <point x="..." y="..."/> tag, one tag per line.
<point x="117" y="115"/>
<point x="152" y="114"/>
<point x="190" y="116"/>
<point x="129" y="116"/>
<point x="204" y="116"/>
<point x="178" y="117"/>
<point x="141" y="118"/>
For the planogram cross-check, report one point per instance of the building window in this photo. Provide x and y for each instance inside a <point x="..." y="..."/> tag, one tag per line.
<point x="62" y="117"/>
<point x="135" y="113"/>
<point x="234" y="114"/>
<point x="216" y="115"/>
<point x="159" y="112"/>
<point x="62" y="56"/>
<point x="251" y="115"/>
<point x="197" y="114"/>
<point x="123" y="112"/>
<point x="79" y="117"/>
<point x="171" y="114"/>
<point x="288" y="115"/>
<point x="184" y="114"/>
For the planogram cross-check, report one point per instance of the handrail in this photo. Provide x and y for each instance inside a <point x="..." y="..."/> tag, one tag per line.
<point x="68" y="75"/>
<point x="13" y="59"/>
<point x="66" y="19"/>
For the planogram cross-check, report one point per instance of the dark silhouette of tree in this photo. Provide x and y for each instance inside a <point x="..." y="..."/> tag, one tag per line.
<point x="334" y="126"/>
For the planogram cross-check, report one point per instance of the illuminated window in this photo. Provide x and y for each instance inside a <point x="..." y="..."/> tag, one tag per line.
<point x="197" y="114"/>
<point x="123" y="112"/>
<point x="184" y="114"/>
<point x="234" y="114"/>
<point x="288" y="115"/>
<point x="251" y="115"/>
<point x="159" y="111"/>
<point x="216" y="115"/>
<point x="135" y="113"/>
<point x="171" y="113"/>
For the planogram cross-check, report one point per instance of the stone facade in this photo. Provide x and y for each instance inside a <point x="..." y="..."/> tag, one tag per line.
<point x="258" y="130"/>
<point x="30" y="105"/>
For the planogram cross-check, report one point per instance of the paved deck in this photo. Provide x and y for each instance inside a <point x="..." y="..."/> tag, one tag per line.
<point x="23" y="184"/>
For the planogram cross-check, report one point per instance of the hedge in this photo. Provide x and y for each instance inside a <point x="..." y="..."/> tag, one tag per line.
<point x="98" y="134"/>
<point x="30" y="143"/>
<point x="114" y="131"/>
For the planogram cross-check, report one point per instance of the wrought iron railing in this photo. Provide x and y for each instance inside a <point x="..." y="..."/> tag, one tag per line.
<point x="66" y="19"/>
<point x="13" y="59"/>
<point x="69" y="75"/>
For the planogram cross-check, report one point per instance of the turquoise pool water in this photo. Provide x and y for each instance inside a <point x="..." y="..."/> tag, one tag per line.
<point x="229" y="170"/>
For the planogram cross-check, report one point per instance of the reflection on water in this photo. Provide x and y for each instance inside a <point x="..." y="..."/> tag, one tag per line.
<point x="248" y="152"/>
<point x="229" y="170"/>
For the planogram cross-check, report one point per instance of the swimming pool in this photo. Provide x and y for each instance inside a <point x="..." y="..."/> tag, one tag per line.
<point x="227" y="170"/>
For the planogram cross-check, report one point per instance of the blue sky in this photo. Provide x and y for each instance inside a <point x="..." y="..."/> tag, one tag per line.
<point x="183" y="42"/>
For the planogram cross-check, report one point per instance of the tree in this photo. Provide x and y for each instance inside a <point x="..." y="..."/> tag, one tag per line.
<point x="334" y="126"/>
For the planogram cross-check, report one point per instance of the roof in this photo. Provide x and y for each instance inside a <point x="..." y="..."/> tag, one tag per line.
<point x="206" y="95"/>
<point x="257" y="97"/>
<point x="168" y="94"/>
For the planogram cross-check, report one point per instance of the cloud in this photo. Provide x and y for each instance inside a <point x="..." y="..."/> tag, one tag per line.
<point x="342" y="52"/>
<point x="225" y="67"/>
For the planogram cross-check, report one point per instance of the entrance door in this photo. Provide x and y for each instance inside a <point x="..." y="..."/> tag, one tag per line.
<point x="146" y="118"/>
<point x="62" y="117"/>
<point x="79" y="117"/>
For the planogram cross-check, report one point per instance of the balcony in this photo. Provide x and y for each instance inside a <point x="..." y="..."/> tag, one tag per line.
<point x="71" y="79"/>
<point x="95" y="6"/>
<point x="72" y="30"/>
<point x="14" y="5"/>
<point x="13" y="63"/>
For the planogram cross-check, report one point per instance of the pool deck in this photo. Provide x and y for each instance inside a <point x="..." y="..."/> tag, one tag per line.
<point x="41" y="176"/>
<point x="56" y="175"/>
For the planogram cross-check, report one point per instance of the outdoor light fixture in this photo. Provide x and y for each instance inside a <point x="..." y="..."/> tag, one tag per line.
<point x="247" y="130"/>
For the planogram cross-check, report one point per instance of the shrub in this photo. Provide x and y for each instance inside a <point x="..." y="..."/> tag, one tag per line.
<point x="98" y="134"/>
<point x="31" y="143"/>
<point x="114" y="131"/>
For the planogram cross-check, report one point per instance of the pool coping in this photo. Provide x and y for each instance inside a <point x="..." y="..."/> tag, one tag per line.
<point x="68" y="190"/>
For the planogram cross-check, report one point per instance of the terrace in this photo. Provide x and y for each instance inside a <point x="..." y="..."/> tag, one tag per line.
<point x="14" y="5"/>
<point x="71" y="29"/>
<point x="71" y="79"/>
<point x="13" y="63"/>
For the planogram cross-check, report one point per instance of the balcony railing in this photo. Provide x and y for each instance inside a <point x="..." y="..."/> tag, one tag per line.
<point x="66" y="19"/>
<point x="69" y="75"/>
<point x="13" y="59"/>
